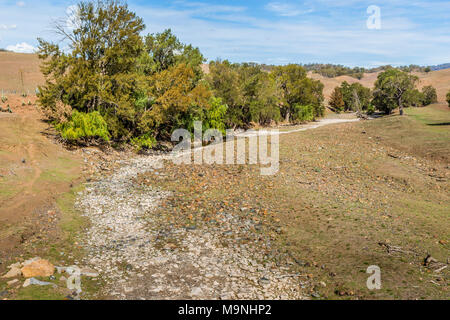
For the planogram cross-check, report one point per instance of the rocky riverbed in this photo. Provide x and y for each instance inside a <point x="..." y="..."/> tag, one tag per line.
<point x="122" y="244"/>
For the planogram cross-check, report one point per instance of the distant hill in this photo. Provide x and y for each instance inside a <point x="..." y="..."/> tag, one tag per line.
<point x="439" y="79"/>
<point x="17" y="66"/>
<point x="440" y="67"/>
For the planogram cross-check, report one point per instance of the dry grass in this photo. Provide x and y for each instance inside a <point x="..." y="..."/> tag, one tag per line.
<point x="14" y="67"/>
<point x="343" y="196"/>
<point x="438" y="79"/>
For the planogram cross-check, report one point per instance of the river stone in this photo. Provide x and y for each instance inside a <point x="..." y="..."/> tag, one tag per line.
<point x="38" y="268"/>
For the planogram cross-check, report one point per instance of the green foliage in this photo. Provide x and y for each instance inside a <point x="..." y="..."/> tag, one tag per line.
<point x="100" y="73"/>
<point x="332" y="71"/>
<point x="303" y="113"/>
<point x="297" y="89"/>
<point x="430" y="95"/>
<point x="448" y="98"/>
<point x="165" y="51"/>
<point x="4" y="98"/>
<point x="414" y="98"/>
<point x="142" y="88"/>
<point x="392" y="88"/>
<point x="370" y="109"/>
<point x="84" y="126"/>
<point x="356" y="96"/>
<point x="144" y="142"/>
<point x="215" y="115"/>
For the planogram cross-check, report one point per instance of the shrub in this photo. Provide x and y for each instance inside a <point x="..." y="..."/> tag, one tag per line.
<point x="84" y="126"/>
<point x="448" y="98"/>
<point x="215" y="115"/>
<point x="4" y="99"/>
<point x="337" y="103"/>
<point x="370" y="109"/>
<point x="430" y="95"/>
<point x="303" y="113"/>
<point x="144" y="142"/>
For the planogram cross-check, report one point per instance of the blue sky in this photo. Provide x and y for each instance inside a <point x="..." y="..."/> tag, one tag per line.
<point x="272" y="32"/>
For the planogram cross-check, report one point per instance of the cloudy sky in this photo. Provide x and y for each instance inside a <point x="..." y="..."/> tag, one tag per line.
<point x="272" y="32"/>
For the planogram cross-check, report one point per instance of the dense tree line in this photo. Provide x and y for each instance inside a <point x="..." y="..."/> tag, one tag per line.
<point x="393" y="89"/>
<point x="114" y="83"/>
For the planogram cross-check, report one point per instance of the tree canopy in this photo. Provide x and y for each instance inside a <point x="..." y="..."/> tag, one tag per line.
<point x="140" y="88"/>
<point x="392" y="88"/>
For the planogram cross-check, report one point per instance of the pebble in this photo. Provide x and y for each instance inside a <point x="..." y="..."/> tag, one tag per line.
<point x="124" y="232"/>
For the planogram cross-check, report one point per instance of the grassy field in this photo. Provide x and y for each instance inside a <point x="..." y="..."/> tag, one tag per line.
<point x="346" y="197"/>
<point x="38" y="184"/>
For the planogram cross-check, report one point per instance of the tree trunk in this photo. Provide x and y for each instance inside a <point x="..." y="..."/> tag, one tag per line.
<point x="288" y="117"/>
<point x="400" y="106"/>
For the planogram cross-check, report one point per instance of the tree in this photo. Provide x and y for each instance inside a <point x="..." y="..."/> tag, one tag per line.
<point x="166" y="50"/>
<point x="224" y="80"/>
<point x="99" y="73"/>
<point x="414" y="98"/>
<point x="297" y="89"/>
<point x="178" y="97"/>
<point x="391" y="88"/>
<point x="356" y="96"/>
<point x="337" y="103"/>
<point x="430" y="95"/>
<point x="448" y="98"/>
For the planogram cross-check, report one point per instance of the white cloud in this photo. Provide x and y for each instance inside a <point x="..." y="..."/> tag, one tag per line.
<point x="285" y="9"/>
<point x="22" y="48"/>
<point x="5" y="27"/>
<point x="21" y="4"/>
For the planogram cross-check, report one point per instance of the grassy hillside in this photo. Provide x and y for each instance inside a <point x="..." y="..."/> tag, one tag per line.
<point x="438" y="79"/>
<point x="17" y="66"/>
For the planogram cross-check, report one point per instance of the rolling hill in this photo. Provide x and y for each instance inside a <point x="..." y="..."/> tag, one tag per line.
<point x="17" y="66"/>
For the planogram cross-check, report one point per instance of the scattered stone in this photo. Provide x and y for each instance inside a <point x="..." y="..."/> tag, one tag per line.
<point x="3" y="293"/>
<point x="315" y="295"/>
<point x="195" y="292"/>
<point x="29" y="261"/>
<point x="91" y="273"/>
<point x="34" y="281"/>
<point x="38" y="268"/>
<point x="13" y="273"/>
<point x="12" y="282"/>
<point x="264" y="281"/>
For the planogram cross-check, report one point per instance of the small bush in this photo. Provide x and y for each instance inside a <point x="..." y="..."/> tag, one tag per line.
<point x="429" y="95"/>
<point x="303" y="113"/>
<point x="370" y="109"/>
<point x="4" y="99"/>
<point x="147" y="141"/>
<point x="215" y="115"/>
<point x="84" y="126"/>
<point x="448" y="99"/>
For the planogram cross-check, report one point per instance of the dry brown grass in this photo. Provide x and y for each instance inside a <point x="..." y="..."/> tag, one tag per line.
<point x="11" y="65"/>
<point x="438" y="79"/>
